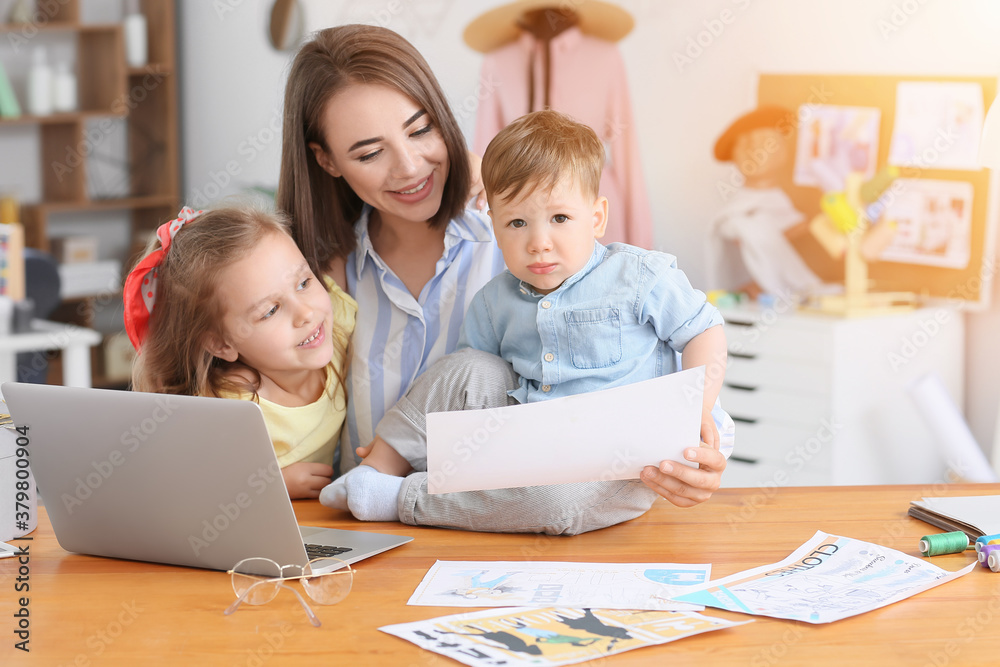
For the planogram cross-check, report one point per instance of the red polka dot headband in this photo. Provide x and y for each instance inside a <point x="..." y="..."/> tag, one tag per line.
<point x="140" y="287"/>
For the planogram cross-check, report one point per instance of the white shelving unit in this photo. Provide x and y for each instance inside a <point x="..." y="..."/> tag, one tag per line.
<point x="824" y="401"/>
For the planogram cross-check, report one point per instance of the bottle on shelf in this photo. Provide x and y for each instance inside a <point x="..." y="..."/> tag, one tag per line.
<point x="136" y="36"/>
<point x="40" y="84"/>
<point x="64" y="96"/>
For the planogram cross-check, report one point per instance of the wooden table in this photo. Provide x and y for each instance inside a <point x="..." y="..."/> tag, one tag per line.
<point x="94" y="611"/>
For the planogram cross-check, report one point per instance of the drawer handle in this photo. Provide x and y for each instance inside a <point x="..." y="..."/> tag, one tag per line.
<point x="743" y="459"/>
<point x="743" y="420"/>
<point x="741" y="387"/>
<point x="742" y="355"/>
<point x="738" y="323"/>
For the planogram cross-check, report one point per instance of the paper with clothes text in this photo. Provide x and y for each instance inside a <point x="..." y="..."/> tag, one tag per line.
<point x="826" y="579"/>
<point x="601" y="435"/>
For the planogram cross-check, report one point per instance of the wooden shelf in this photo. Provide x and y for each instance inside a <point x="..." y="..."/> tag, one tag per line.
<point x="152" y="201"/>
<point x="66" y="118"/>
<point x="51" y="26"/>
<point x="105" y="83"/>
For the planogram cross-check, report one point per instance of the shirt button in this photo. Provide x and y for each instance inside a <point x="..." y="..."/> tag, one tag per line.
<point x="549" y="356"/>
<point x="546" y="388"/>
<point x="546" y="304"/>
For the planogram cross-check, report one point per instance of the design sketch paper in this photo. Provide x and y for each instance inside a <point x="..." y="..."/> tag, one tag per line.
<point x="938" y="125"/>
<point x="834" y="141"/>
<point x="933" y="223"/>
<point x="826" y="579"/>
<point x="601" y="435"/>
<point x="548" y="584"/>
<point x="550" y="636"/>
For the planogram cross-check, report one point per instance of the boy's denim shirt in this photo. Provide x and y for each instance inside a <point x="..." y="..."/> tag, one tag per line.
<point x="623" y="318"/>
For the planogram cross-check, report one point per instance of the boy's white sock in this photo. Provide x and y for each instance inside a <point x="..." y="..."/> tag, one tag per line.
<point x="334" y="494"/>
<point x="367" y="493"/>
<point x="372" y="495"/>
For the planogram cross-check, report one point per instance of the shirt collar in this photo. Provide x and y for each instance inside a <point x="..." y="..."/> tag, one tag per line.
<point x="470" y="225"/>
<point x="564" y="41"/>
<point x="595" y="258"/>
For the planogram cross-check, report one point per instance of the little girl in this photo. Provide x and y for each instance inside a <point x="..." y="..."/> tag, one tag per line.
<point x="224" y="304"/>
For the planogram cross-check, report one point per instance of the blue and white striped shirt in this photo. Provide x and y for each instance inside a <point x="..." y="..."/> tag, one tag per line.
<point x="397" y="336"/>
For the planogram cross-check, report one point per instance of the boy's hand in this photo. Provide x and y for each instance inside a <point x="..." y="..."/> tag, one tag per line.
<point x="306" y="480"/>
<point x="685" y="486"/>
<point x="709" y="431"/>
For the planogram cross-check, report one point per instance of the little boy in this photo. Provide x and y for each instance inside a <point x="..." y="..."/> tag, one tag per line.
<point x="568" y="316"/>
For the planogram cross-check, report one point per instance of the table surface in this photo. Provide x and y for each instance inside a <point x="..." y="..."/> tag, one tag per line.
<point x="94" y="611"/>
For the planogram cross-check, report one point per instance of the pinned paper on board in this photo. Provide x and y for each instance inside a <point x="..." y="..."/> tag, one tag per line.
<point x="601" y="435"/>
<point x="933" y="223"/>
<point x="646" y="586"/>
<point x="834" y="141"/>
<point x="551" y="636"/>
<point x="938" y="125"/>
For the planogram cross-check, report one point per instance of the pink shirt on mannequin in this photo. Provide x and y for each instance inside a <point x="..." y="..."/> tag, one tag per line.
<point x="587" y="82"/>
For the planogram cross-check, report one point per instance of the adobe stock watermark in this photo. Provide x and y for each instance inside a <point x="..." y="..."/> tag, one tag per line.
<point x="712" y="30"/>
<point x="797" y="457"/>
<point x="212" y="528"/>
<point x="789" y="125"/>
<point x="979" y="620"/>
<point x="130" y="440"/>
<point x="248" y="150"/>
<point x="45" y="11"/>
<point x="899" y="16"/>
<point x="486" y="88"/>
<point x="272" y="644"/>
<point x="101" y="640"/>
<point x="463" y="450"/>
<point x="94" y="136"/>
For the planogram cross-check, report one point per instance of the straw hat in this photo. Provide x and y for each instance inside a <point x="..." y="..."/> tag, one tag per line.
<point x="765" y="116"/>
<point x="499" y="26"/>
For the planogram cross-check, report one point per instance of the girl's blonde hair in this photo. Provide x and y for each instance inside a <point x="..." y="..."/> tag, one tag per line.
<point x="323" y="208"/>
<point x="186" y="318"/>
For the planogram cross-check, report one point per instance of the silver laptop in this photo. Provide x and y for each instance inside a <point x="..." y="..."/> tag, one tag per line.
<point x="170" y="479"/>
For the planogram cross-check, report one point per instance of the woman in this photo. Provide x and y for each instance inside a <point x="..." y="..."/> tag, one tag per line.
<point x="375" y="176"/>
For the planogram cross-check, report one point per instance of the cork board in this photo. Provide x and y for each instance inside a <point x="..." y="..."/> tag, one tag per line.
<point x="969" y="284"/>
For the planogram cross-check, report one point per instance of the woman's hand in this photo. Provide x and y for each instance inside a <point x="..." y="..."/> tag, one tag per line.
<point x="476" y="177"/>
<point x="305" y="479"/>
<point x="683" y="485"/>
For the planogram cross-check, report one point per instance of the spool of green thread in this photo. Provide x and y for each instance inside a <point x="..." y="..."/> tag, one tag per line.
<point x="945" y="543"/>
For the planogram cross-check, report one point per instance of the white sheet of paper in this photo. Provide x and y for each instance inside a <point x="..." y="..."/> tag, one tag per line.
<point x="646" y="586"/>
<point x="601" y="435"/>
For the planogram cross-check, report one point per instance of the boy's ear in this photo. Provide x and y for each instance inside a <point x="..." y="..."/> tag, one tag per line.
<point x="323" y="158"/>
<point x="600" y="217"/>
<point x="220" y="348"/>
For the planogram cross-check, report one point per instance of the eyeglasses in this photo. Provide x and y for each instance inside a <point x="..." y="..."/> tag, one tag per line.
<point x="257" y="580"/>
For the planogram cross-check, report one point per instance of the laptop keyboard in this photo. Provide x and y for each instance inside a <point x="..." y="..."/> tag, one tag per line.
<point x="323" y="551"/>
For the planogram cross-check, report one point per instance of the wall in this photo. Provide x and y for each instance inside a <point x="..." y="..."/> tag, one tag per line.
<point x="232" y="83"/>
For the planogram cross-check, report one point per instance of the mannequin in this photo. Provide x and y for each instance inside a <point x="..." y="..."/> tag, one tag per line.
<point x="543" y="54"/>
<point x="756" y="215"/>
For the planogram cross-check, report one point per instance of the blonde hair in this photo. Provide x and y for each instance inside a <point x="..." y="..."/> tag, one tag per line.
<point x="175" y="356"/>
<point x="323" y="208"/>
<point x="537" y="150"/>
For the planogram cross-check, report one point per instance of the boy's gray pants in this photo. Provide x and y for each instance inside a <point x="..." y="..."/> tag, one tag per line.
<point x="474" y="380"/>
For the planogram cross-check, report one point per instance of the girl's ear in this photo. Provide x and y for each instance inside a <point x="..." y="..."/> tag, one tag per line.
<point x="323" y="158"/>
<point x="221" y="349"/>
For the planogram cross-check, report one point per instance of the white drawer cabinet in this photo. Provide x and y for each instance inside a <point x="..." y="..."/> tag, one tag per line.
<point x="822" y="400"/>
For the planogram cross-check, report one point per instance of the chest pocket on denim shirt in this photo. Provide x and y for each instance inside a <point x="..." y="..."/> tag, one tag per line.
<point x="595" y="337"/>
